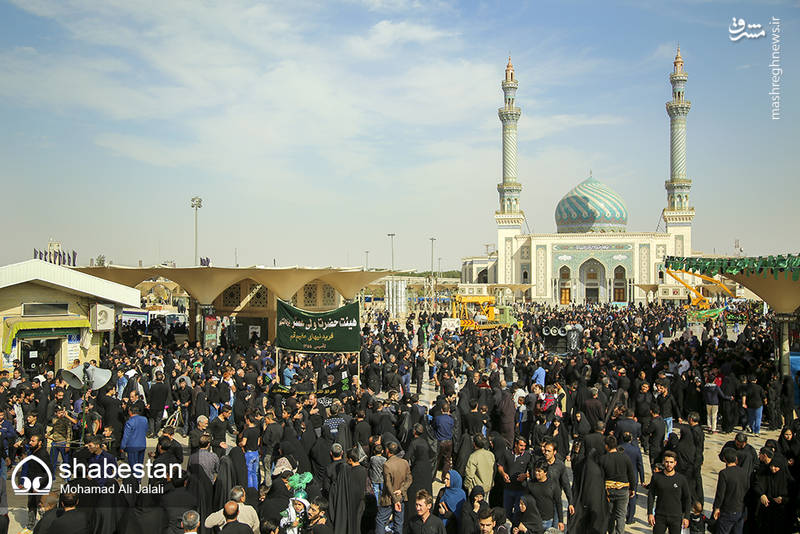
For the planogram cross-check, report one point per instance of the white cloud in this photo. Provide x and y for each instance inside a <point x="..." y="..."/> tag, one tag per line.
<point x="386" y="37"/>
<point x="272" y="110"/>
<point x="403" y="5"/>
<point x="543" y="126"/>
<point x="664" y="52"/>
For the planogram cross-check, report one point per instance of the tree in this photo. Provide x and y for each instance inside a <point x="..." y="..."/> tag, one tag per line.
<point x="100" y="260"/>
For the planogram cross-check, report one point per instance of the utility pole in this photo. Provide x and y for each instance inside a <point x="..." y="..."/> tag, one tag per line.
<point x="389" y="297"/>
<point x="391" y="237"/>
<point x="197" y="203"/>
<point x="433" y="281"/>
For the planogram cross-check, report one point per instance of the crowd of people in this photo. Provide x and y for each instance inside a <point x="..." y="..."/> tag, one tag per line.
<point x="424" y="431"/>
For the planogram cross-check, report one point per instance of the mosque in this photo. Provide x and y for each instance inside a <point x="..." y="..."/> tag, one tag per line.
<point x="592" y="257"/>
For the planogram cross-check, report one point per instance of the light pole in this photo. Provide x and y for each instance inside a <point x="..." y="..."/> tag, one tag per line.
<point x="390" y="307"/>
<point x="197" y="203"/>
<point x="366" y="261"/>
<point x="391" y="237"/>
<point x="433" y="287"/>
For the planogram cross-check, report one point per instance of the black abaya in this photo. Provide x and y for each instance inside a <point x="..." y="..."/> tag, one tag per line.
<point x="591" y="507"/>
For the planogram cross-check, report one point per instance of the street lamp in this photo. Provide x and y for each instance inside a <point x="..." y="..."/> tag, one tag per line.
<point x="366" y="262"/>
<point x="197" y="203"/>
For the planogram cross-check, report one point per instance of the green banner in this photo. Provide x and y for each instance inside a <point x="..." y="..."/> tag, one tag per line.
<point x="698" y="316"/>
<point x="333" y="331"/>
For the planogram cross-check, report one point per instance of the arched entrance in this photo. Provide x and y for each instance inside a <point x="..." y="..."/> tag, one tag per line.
<point x="592" y="276"/>
<point x="620" y="284"/>
<point x="564" y="289"/>
<point x="483" y="276"/>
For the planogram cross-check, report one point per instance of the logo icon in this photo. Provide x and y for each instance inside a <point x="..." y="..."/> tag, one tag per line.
<point x="26" y="485"/>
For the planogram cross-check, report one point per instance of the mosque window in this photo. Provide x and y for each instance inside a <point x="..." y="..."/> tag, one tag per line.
<point x="259" y="300"/>
<point x="310" y="295"/>
<point x="524" y="277"/>
<point x="328" y="295"/>
<point x="232" y="296"/>
<point x="591" y="274"/>
<point x="564" y="273"/>
<point x="619" y="273"/>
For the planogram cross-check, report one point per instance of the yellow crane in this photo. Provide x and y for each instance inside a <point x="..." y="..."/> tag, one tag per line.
<point x="479" y="312"/>
<point x="699" y="300"/>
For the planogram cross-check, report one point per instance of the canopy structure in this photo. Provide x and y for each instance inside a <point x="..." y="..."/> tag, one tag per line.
<point x="648" y="288"/>
<point x="206" y="283"/>
<point x="776" y="279"/>
<point x="56" y="276"/>
<point x="13" y="325"/>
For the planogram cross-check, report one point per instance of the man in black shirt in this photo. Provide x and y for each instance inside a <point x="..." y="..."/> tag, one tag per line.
<point x="514" y="467"/>
<point x="218" y="429"/>
<point x="232" y="524"/>
<point x="424" y="522"/>
<point x="158" y="400"/>
<point x="620" y="482"/>
<point x="674" y="498"/>
<point x="754" y="400"/>
<point x="252" y="438"/>
<point x="657" y="431"/>
<point x="273" y="431"/>
<point x="634" y="454"/>
<point x="547" y="495"/>
<point x="732" y="485"/>
<point x="557" y="471"/>
<point x="746" y="455"/>
<point x="184" y="400"/>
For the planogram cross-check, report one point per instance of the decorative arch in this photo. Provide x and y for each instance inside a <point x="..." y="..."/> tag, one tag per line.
<point x="564" y="285"/>
<point x="619" y="284"/>
<point x="592" y="281"/>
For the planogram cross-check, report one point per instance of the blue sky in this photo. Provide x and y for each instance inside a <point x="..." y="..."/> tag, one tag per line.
<point x="312" y="129"/>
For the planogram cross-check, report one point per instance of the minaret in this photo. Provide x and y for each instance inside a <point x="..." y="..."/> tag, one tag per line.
<point x="509" y="188"/>
<point x="678" y="214"/>
<point x="509" y="217"/>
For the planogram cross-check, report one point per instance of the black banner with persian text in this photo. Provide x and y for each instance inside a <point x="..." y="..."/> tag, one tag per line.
<point x="333" y="331"/>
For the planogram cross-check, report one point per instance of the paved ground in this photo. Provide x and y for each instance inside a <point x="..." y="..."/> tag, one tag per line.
<point x="711" y="467"/>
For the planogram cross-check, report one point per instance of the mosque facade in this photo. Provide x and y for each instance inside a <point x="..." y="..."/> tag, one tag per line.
<point x="592" y="257"/>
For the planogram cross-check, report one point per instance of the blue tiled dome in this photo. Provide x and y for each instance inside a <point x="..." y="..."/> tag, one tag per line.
<point x="591" y="206"/>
